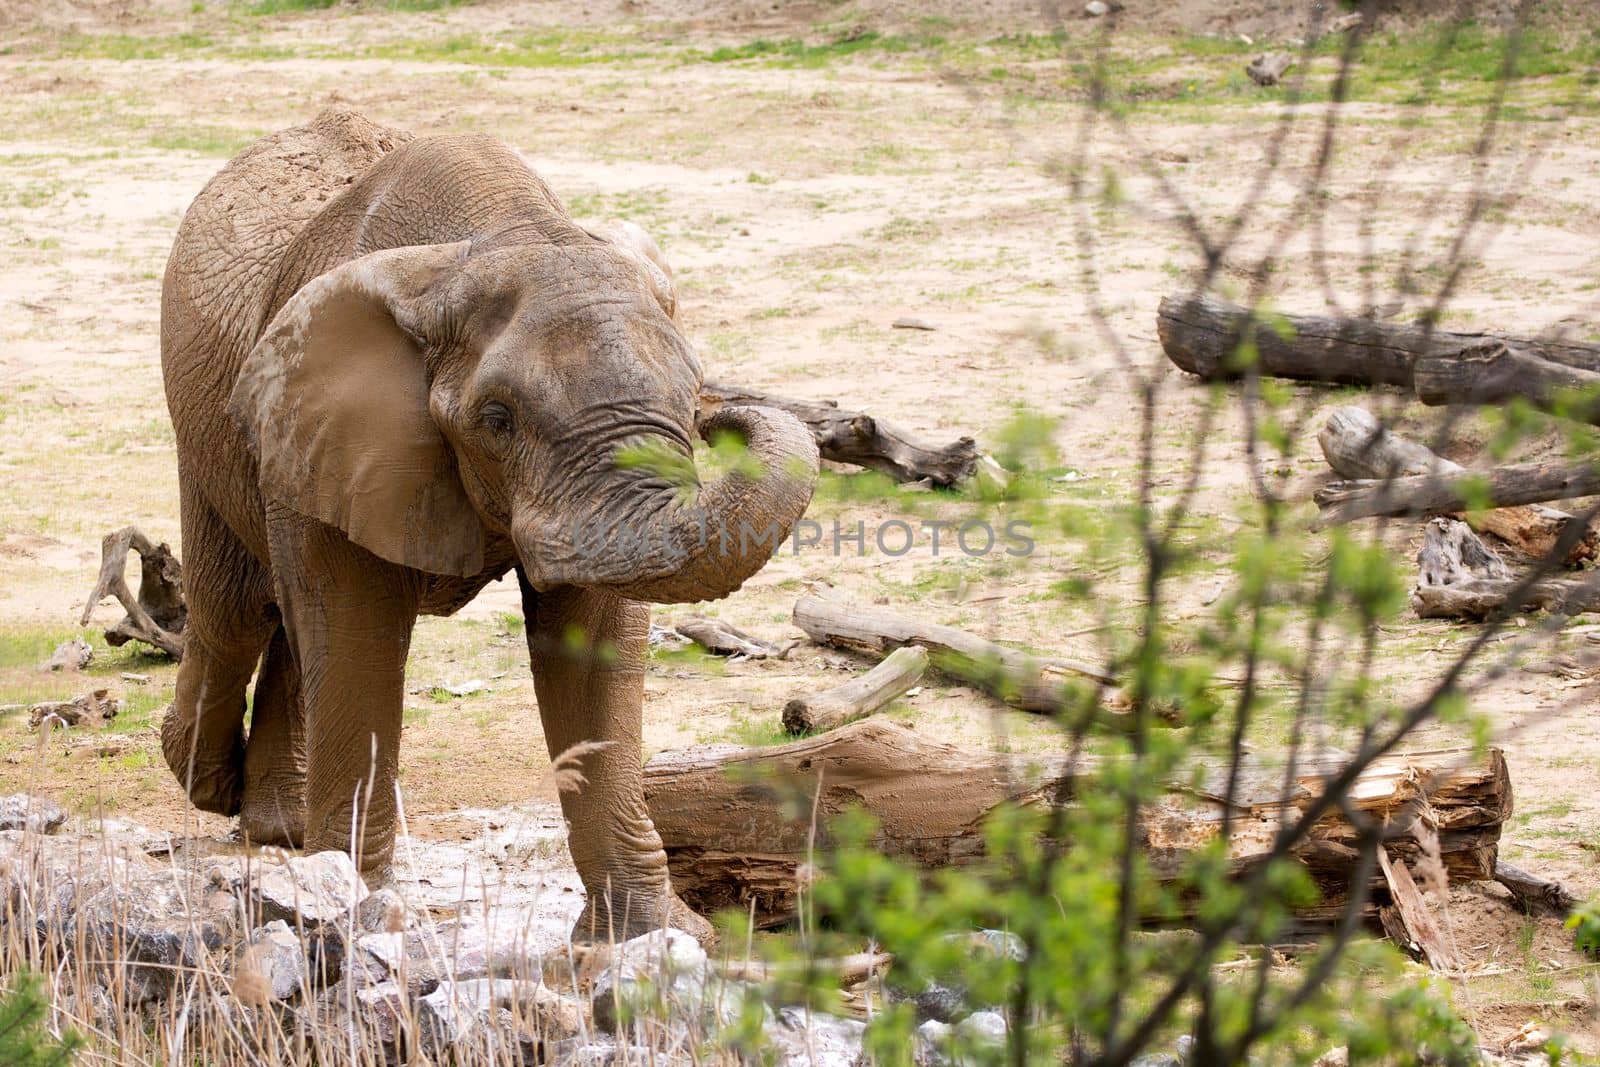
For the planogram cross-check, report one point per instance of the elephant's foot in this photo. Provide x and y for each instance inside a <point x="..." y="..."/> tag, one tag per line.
<point x="624" y="918"/>
<point x="273" y="817"/>
<point x="211" y="773"/>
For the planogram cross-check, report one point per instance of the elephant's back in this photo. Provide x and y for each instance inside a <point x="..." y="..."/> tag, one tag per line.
<point x="219" y="281"/>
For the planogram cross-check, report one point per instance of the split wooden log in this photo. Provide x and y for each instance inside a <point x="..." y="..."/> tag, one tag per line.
<point x="1538" y="896"/>
<point x="863" y="440"/>
<point x="1202" y="334"/>
<point x="1443" y="494"/>
<point x="1408" y="920"/>
<point x="1459" y="577"/>
<point x="1021" y="679"/>
<point x="1493" y="371"/>
<point x="738" y="826"/>
<point x="1358" y="446"/>
<point x="859" y="696"/>
<point x="158" y="614"/>
<point x="724" y="639"/>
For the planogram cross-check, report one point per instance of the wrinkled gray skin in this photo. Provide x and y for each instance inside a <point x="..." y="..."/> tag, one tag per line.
<point x="398" y="369"/>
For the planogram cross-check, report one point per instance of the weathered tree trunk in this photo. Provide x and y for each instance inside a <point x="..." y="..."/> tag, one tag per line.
<point x="1441" y="494"/>
<point x="1356" y="445"/>
<point x="1480" y="598"/>
<point x="1021" y="679"/>
<point x="1460" y="578"/>
<point x="158" y="614"/>
<point x="1538" y="896"/>
<point x="1202" y="334"/>
<point x="738" y="823"/>
<point x="1493" y="371"/>
<point x="859" y="696"/>
<point x="858" y="438"/>
<point x="724" y="639"/>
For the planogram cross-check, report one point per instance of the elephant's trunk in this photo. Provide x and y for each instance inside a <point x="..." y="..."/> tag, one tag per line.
<point x="679" y="551"/>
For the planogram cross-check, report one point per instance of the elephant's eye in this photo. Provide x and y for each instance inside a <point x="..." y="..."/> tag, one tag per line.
<point x="495" y="417"/>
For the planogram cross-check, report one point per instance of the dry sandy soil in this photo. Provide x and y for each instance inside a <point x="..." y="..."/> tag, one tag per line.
<point x="806" y="200"/>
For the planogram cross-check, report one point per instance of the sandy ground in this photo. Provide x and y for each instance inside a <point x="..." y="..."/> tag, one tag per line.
<point x="805" y="208"/>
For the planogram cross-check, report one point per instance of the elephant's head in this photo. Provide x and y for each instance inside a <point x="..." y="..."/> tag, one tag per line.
<point x="422" y="398"/>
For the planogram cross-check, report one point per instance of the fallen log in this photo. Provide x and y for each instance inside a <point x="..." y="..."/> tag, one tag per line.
<point x="859" y="696"/>
<point x="738" y="823"/>
<point x="863" y="440"/>
<point x="724" y="639"/>
<point x="1459" y="577"/>
<point x="1493" y="371"/>
<point x="1021" y="679"/>
<point x="1443" y="494"/>
<point x="1538" y="896"/>
<point x="158" y="614"/>
<point x="1357" y="446"/>
<point x="1202" y="335"/>
<point x="95" y="708"/>
<point x="1482" y="598"/>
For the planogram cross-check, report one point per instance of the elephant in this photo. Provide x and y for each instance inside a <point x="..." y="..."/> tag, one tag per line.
<point x="398" y="370"/>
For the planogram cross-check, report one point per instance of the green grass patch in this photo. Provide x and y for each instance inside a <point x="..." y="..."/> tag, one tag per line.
<point x="796" y="52"/>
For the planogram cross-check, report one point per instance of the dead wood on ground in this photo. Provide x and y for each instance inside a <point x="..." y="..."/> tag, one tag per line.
<point x="738" y="823"/>
<point x="860" y="696"/>
<point x="1444" y="494"/>
<point x="1202" y="336"/>
<point x="158" y="614"/>
<point x="1358" y="446"/>
<point x="862" y="440"/>
<point x="1021" y="679"/>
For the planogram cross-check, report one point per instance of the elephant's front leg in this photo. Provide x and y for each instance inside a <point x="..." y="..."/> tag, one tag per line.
<point x="349" y="616"/>
<point x="588" y="651"/>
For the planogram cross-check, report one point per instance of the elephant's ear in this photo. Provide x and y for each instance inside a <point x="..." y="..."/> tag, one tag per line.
<point x="334" y="398"/>
<point x="631" y="239"/>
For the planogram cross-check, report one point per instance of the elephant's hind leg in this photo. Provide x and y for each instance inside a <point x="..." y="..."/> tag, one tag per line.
<point x="274" y="811"/>
<point x="230" y="620"/>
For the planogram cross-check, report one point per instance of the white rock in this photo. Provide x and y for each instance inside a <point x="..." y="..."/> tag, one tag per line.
<point x="486" y="1011"/>
<point x="276" y="952"/>
<point x="73" y="655"/>
<point x="382" y="910"/>
<point x="932" y="1040"/>
<point x="145" y="929"/>
<point x="665" y="969"/>
<point x="985" y="1027"/>
<point x="307" y="891"/>
<point x="19" y="811"/>
<point x="813" y="1039"/>
<point x="382" y="1008"/>
<point x="1096" y="8"/>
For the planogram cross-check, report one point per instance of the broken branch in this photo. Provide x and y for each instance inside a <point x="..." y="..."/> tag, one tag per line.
<point x="859" y="696"/>
<point x="1021" y="679"/>
<point x="1437" y="494"/>
<point x="860" y="439"/>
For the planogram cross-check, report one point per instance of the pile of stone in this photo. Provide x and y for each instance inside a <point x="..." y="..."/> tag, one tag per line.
<point x="464" y="958"/>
